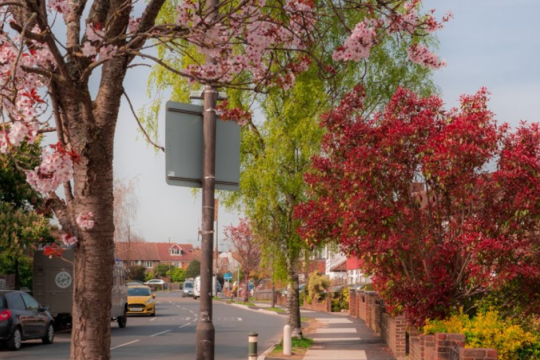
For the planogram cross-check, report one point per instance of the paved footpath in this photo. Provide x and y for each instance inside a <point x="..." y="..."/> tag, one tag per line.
<point x="342" y="337"/>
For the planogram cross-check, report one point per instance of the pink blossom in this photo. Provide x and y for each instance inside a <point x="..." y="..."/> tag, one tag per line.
<point x="133" y="24"/>
<point x="68" y="239"/>
<point x="107" y="52"/>
<point x="93" y="34"/>
<point x="358" y="45"/>
<point x="85" y="221"/>
<point x="55" y="169"/>
<point x="422" y="55"/>
<point x="88" y="49"/>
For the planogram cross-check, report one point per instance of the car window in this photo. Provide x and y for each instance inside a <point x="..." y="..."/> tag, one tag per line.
<point x="31" y="303"/>
<point x="188" y="285"/>
<point x="138" y="292"/>
<point x="15" y="301"/>
<point x="3" y="303"/>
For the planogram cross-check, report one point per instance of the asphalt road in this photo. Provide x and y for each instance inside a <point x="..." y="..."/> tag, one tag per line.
<point x="171" y="334"/>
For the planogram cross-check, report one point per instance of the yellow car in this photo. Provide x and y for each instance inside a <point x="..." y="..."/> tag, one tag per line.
<point x="141" y="301"/>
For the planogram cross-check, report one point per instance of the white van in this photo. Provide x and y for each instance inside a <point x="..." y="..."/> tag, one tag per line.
<point x="197" y="287"/>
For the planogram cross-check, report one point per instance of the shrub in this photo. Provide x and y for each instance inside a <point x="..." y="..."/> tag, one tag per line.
<point x="340" y="300"/>
<point x="317" y="287"/>
<point x="489" y="330"/>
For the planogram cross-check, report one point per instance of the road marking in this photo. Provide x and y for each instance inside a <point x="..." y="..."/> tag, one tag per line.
<point x="335" y="330"/>
<point x="184" y="325"/>
<point x="119" y="346"/>
<point x="163" y="332"/>
<point x="152" y="319"/>
<point x="239" y="319"/>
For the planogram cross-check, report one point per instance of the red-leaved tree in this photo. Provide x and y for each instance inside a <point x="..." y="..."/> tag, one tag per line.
<point x="247" y="250"/>
<point x="442" y="205"/>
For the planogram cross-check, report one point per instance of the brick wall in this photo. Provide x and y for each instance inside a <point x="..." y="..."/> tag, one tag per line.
<point x="323" y="306"/>
<point x="477" y="354"/>
<point x="393" y="332"/>
<point x="353" y="306"/>
<point x="443" y="343"/>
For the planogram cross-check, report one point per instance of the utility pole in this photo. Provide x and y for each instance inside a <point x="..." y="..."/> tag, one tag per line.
<point x="216" y="218"/>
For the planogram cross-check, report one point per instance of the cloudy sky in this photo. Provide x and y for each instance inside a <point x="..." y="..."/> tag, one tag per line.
<point x="491" y="43"/>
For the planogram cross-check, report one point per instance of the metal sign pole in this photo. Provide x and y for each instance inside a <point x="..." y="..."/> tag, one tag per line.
<point x="205" y="328"/>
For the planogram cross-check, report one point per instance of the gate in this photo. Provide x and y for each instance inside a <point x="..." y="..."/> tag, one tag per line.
<point x="454" y="352"/>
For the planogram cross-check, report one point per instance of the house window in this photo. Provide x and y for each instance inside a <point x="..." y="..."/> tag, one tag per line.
<point x="176" y="251"/>
<point x="148" y="264"/>
<point x="177" y="264"/>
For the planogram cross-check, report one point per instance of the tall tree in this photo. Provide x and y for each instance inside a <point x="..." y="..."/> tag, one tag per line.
<point x="47" y="62"/>
<point x="246" y="250"/>
<point x="441" y="205"/>
<point x="125" y="208"/>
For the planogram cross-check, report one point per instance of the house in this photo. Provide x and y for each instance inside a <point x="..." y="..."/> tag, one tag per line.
<point x="151" y="254"/>
<point x="354" y="273"/>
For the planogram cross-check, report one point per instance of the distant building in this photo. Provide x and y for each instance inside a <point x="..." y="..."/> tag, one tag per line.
<point x="151" y="254"/>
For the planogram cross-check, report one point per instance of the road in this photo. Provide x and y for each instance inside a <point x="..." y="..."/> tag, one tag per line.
<point x="171" y="334"/>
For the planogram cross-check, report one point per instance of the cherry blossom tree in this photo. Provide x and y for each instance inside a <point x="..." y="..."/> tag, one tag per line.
<point x="246" y="249"/>
<point x="441" y="205"/>
<point x="51" y="49"/>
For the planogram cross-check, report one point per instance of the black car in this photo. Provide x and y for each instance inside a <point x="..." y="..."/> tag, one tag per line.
<point x="22" y="318"/>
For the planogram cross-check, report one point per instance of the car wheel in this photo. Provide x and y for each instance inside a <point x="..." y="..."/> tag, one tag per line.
<point x="122" y="320"/>
<point x="49" y="337"/>
<point x="15" y="341"/>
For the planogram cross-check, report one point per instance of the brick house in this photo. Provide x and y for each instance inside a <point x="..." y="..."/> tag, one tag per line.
<point x="151" y="254"/>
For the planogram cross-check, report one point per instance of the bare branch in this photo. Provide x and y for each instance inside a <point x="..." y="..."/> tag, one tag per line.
<point x="140" y="125"/>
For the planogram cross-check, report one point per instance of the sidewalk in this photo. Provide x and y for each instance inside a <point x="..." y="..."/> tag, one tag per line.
<point x="341" y="337"/>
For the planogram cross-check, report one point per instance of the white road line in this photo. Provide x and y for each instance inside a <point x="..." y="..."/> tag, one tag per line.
<point x="152" y="319"/>
<point x="163" y="332"/>
<point x="239" y="319"/>
<point x="119" y="346"/>
<point x="184" y="325"/>
<point x="335" y="330"/>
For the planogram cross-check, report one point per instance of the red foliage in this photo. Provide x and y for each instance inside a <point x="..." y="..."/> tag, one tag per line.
<point x="53" y="250"/>
<point x="441" y="205"/>
<point x="247" y="250"/>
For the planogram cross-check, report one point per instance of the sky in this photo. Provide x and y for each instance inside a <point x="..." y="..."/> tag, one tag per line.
<point x="491" y="43"/>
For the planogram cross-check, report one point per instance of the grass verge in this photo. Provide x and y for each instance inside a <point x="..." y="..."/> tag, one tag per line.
<point x="298" y="347"/>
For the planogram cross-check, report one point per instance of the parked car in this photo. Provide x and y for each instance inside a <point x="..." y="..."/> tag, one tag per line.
<point x="141" y="301"/>
<point x="188" y="288"/>
<point x="22" y="318"/>
<point x="134" y="283"/>
<point x="155" y="282"/>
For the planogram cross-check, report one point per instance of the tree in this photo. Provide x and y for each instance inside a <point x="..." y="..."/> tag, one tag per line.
<point x="277" y="152"/>
<point x="194" y="269"/>
<point x="162" y="270"/>
<point x="48" y="67"/>
<point x="441" y="205"/>
<point x="247" y="250"/>
<point x="125" y="208"/>
<point x="137" y="272"/>
<point x="178" y="275"/>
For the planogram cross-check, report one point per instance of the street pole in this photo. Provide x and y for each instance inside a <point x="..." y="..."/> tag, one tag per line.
<point x="205" y="328"/>
<point x="216" y="216"/>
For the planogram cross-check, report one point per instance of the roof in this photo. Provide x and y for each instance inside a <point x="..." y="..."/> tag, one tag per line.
<point x="186" y="253"/>
<point x="153" y="251"/>
<point x="340" y="266"/>
<point x="354" y="263"/>
<point x="127" y="251"/>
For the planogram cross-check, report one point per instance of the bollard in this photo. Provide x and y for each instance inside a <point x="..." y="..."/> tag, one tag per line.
<point x="252" y="350"/>
<point x="287" y="340"/>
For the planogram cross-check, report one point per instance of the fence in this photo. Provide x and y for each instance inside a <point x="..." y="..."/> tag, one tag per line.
<point x="406" y="342"/>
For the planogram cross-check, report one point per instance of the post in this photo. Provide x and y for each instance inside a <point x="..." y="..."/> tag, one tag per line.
<point x="252" y="349"/>
<point x="205" y="328"/>
<point x="216" y="210"/>
<point x="170" y="270"/>
<point x="287" y="340"/>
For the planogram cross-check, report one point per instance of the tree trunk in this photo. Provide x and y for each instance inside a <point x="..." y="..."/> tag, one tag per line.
<point x="94" y="256"/>
<point x="293" y="303"/>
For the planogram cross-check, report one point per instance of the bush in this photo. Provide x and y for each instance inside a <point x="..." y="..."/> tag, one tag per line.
<point x="340" y="300"/>
<point x="488" y="330"/>
<point x="317" y="287"/>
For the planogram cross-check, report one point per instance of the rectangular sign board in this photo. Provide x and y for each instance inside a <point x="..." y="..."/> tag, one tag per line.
<point x="184" y="148"/>
<point x="227" y="276"/>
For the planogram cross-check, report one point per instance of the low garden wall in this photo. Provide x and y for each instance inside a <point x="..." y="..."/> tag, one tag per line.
<point x="410" y="343"/>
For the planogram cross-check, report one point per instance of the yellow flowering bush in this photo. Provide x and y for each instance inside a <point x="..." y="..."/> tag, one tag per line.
<point x="489" y="330"/>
